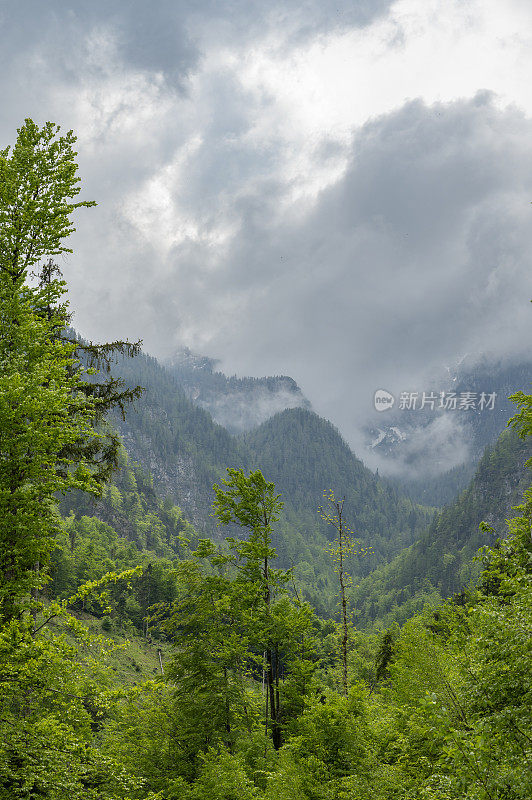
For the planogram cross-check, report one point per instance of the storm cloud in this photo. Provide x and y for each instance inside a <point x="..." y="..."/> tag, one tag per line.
<point x="335" y="191"/>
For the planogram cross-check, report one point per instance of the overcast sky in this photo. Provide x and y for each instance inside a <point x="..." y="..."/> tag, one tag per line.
<point x="338" y="191"/>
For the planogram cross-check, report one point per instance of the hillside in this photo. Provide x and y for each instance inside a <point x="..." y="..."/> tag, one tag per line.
<point x="185" y="451"/>
<point x="413" y="557"/>
<point x="304" y="455"/>
<point x="176" y="441"/>
<point x="239" y="404"/>
<point x="439" y="450"/>
<point x="441" y="561"/>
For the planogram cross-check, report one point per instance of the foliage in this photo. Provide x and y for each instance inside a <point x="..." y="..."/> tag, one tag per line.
<point x="55" y="695"/>
<point x="38" y="180"/>
<point x="43" y="415"/>
<point x="340" y="549"/>
<point x="438" y="709"/>
<point x="50" y="405"/>
<point x="300" y="452"/>
<point x="442" y="561"/>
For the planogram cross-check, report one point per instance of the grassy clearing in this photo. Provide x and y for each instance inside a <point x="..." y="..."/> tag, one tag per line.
<point x="134" y="659"/>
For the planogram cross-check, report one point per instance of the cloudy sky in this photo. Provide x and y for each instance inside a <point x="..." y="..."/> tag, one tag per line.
<point x="338" y="191"/>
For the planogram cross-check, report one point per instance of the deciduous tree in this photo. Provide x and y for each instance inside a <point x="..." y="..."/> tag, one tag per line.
<point x="50" y="403"/>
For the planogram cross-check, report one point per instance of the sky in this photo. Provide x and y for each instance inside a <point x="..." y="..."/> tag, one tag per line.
<point x="336" y="191"/>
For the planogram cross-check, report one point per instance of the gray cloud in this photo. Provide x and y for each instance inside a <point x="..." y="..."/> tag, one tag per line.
<point x="349" y="262"/>
<point x="419" y="254"/>
<point x="427" y="449"/>
<point x="292" y="20"/>
<point x="167" y="37"/>
<point x="156" y="41"/>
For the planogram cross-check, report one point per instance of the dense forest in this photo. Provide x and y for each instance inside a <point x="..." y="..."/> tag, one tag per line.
<point x="303" y="454"/>
<point x="149" y="651"/>
<point x="239" y="404"/>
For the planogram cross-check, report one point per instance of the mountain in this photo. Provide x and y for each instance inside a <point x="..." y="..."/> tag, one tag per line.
<point x="239" y="404"/>
<point x="130" y="506"/>
<point x="428" y="449"/>
<point x="305" y="455"/>
<point x="442" y="561"/>
<point x="430" y="442"/>
<point x="186" y="451"/>
<point x="176" y="441"/>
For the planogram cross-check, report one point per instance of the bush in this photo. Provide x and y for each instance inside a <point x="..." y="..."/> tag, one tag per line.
<point x="107" y="623"/>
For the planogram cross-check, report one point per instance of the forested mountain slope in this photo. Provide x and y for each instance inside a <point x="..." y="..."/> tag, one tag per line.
<point x="128" y="526"/>
<point x="186" y="452"/>
<point x="181" y="446"/>
<point x="412" y="558"/>
<point x="473" y="429"/>
<point x="239" y="404"/>
<point x="131" y="506"/>
<point x="441" y="561"/>
<point x="304" y="455"/>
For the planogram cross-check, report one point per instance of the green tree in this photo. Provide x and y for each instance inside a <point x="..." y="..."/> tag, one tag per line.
<point x="340" y="549"/>
<point x="39" y="184"/>
<point x="251" y="502"/>
<point x="212" y="667"/>
<point x="53" y="700"/>
<point x="42" y="414"/>
<point x="50" y="404"/>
